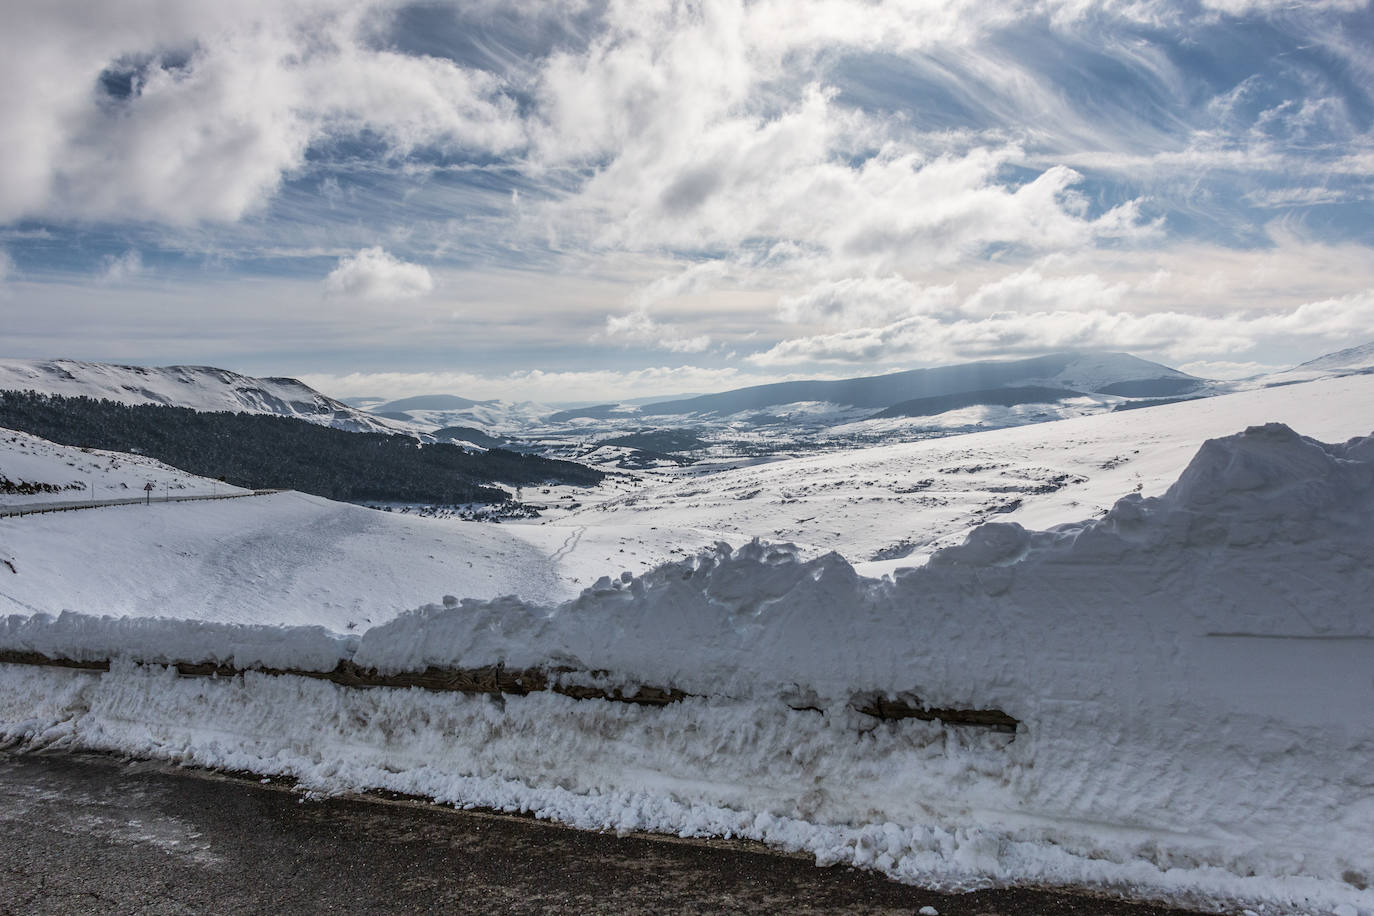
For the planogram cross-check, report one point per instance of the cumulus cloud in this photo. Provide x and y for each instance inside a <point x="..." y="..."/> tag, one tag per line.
<point x="374" y="273"/>
<point x="121" y="268"/>
<point x="639" y="327"/>
<point x="196" y="111"/>
<point x="891" y="178"/>
<point x="862" y="301"/>
<point x="1227" y="369"/>
<point x="1030" y="290"/>
<point x="1170" y="334"/>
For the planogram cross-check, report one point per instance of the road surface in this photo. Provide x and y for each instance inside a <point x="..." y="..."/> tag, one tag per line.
<point x="91" y="834"/>
<point x="71" y="505"/>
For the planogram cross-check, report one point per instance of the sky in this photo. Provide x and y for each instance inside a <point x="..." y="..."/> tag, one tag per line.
<point x="569" y="199"/>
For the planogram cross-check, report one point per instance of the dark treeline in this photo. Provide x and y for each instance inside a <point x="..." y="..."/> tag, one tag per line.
<point x="258" y="451"/>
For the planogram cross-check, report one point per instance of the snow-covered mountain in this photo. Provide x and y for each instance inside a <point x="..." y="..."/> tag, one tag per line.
<point x="1117" y="374"/>
<point x="1350" y="361"/>
<point x="201" y="388"/>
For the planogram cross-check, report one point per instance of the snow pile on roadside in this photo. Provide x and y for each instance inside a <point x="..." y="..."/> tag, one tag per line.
<point x="1225" y="547"/>
<point x="1191" y="675"/>
<point x="166" y="641"/>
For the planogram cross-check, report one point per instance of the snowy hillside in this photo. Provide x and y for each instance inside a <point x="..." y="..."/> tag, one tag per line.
<point x="1350" y="361"/>
<point x="298" y="559"/>
<point x="1181" y="691"/>
<point x="34" y="471"/>
<point x="197" y="387"/>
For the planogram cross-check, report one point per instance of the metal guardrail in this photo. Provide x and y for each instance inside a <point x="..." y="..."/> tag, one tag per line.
<point x="43" y="508"/>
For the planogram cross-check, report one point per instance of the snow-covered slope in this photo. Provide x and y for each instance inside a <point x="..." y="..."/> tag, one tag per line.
<point x="34" y="470"/>
<point x="1189" y="676"/>
<point x="298" y="559"/>
<point x="900" y="502"/>
<point x="1350" y="361"/>
<point x="197" y="387"/>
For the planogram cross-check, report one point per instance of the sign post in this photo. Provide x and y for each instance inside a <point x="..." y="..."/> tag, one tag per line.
<point x="148" y="493"/>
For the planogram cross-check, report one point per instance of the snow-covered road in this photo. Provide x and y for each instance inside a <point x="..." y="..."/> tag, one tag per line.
<point x="73" y="505"/>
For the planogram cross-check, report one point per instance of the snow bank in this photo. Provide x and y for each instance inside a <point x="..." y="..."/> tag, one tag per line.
<point x="1265" y="532"/>
<point x="166" y="641"/>
<point x="1191" y="673"/>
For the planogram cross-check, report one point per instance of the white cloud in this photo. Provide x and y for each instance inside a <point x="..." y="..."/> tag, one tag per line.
<point x="1226" y="369"/>
<point x="224" y="101"/>
<point x="374" y="273"/>
<point x="121" y="268"/>
<point x="863" y="301"/>
<point x="639" y="328"/>
<point x="1031" y="290"/>
<point x="1171" y="334"/>
<point x="716" y="165"/>
<point x="6" y="265"/>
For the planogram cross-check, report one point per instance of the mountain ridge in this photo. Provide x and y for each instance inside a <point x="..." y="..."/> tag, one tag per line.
<point x="202" y="388"/>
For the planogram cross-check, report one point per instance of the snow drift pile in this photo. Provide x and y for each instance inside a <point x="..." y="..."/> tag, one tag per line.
<point x="1191" y="674"/>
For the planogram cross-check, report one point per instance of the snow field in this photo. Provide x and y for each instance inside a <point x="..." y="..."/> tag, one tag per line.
<point x="294" y="559"/>
<point x="1191" y="672"/>
<point x="913" y="498"/>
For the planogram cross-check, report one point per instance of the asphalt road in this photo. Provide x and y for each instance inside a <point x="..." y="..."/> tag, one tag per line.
<point x="91" y="834"/>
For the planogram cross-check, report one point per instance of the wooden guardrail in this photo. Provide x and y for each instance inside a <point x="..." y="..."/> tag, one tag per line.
<point x="497" y="679"/>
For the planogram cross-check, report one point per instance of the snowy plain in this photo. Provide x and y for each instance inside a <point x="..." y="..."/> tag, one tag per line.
<point x="1190" y="665"/>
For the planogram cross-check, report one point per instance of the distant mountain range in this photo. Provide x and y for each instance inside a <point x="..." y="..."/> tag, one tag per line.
<point x="754" y="420"/>
<point x="1075" y="374"/>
